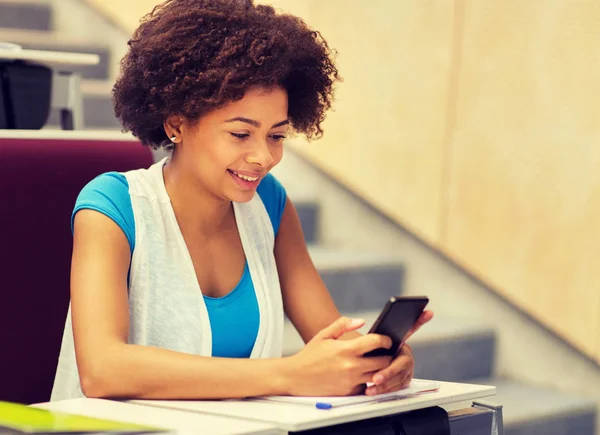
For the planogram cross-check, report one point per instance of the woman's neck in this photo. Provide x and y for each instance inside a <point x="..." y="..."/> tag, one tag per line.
<point x="194" y="206"/>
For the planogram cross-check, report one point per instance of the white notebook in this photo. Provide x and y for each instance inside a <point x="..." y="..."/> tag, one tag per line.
<point x="417" y="386"/>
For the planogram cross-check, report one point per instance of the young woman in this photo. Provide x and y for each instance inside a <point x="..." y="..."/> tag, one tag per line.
<point x="182" y="272"/>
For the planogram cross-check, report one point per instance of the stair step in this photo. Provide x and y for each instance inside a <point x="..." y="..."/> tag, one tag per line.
<point x="98" y="111"/>
<point x="308" y="212"/>
<point x="454" y="350"/>
<point x="357" y="280"/>
<point x="530" y="410"/>
<point x="53" y="41"/>
<point x="445" y="349"/>
<point x="23" y="14"/>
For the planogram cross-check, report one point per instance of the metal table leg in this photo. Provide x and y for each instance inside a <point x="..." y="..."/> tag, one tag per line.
<point x="67" y="97"/>
<point x="497" y="422"/>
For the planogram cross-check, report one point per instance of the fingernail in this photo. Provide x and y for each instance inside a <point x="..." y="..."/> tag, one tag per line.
<point x="378" y="379"/>
<point x="356" y="322"/>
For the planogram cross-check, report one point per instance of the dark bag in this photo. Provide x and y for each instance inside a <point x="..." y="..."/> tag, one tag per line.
<point x="427" y="421"/>
<point x="25" y="95"/>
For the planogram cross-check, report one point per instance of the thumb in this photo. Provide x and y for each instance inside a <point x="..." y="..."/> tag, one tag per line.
<point x="340" y="327"/>
<point x="425" y="317"/>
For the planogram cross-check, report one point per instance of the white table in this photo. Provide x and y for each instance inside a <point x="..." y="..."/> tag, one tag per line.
<point x="182" y="423"/>
<point x="51" y="57"/>
<point x="66" y="84"/>
<point x="54" y="134"/>
<point x="292" y="417"/>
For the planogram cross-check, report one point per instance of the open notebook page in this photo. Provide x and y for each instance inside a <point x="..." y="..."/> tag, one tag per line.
<point x="417" y="386"/>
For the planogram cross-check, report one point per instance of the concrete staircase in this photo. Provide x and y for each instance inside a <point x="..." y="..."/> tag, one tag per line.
<point x="453" y="347"/>
<point x="36" y="24"/>
<point x="450" y="348"/>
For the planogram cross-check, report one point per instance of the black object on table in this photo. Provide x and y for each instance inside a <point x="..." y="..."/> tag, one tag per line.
<point x="25" y="95"/>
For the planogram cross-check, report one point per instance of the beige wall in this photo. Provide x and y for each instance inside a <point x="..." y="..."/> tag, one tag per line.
<point x="494" y="139"/>
<point x="524" y="189"/>
<point x="126" y="13"/>
<point x="475" y="124"/>
<point x="385" y="137"/>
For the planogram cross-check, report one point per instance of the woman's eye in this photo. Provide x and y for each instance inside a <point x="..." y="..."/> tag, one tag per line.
<point x="278" y="137"/>
<point x="240" y="135"/>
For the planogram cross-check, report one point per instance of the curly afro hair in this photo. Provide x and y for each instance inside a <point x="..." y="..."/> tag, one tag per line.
<point x="189" y="57"/>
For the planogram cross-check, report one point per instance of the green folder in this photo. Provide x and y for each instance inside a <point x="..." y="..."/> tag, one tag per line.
<point x="20" y="419"/>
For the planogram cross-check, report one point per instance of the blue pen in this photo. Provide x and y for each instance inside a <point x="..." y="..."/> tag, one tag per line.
<point x="323" y="405"/>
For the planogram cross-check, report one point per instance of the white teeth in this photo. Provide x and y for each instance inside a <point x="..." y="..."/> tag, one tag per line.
<point x="244" y="177"/>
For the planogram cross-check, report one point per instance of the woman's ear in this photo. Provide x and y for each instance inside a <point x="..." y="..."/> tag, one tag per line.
<point x="173" y="128"/>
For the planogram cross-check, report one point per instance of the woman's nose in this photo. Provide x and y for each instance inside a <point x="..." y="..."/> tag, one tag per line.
<point x="260" y="154"/>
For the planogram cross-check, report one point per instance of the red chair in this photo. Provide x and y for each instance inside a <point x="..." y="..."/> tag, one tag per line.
<point x="39" y="183"/>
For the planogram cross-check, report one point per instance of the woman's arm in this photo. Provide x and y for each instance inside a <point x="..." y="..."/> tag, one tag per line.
<point x="109" y="367"/>
<point x="310" y="307"/>
<point x="306" y="299"/>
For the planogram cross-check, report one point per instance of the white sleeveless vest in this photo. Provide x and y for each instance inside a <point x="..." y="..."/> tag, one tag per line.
<point x="166" y="305"/>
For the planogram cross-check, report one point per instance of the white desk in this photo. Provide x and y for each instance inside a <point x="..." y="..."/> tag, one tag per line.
<point x="54" y="134"/>
<point x="183" y="423"/>
<point x="66" y="84"/>
<point x="292" y="417"/>
<point x="51" y="57"/>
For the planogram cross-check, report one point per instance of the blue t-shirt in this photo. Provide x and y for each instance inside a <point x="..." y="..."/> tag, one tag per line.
<point x="234" y="318"/>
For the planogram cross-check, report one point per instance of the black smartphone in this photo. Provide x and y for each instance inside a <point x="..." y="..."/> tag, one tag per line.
<point x="395" y="321"/>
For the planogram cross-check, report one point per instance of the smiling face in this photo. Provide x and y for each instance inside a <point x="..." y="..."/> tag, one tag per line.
<point x="229" y="150"/>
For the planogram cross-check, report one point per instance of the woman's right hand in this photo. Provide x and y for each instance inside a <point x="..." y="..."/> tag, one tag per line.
<point x="327" y="366"/>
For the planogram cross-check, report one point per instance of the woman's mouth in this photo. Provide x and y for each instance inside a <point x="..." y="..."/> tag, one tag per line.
<point x="245" y="181"/>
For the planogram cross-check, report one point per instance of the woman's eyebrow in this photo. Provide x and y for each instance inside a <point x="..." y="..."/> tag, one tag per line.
<point x="256" y="123"/>
<point x="279" y="124"/>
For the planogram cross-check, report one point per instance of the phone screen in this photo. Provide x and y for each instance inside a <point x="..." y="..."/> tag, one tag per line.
<point x="395" y="321"/>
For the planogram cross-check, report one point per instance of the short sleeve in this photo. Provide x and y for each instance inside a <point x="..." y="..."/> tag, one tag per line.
<point x="273" y="195"/>
<point x="109" y="194"/>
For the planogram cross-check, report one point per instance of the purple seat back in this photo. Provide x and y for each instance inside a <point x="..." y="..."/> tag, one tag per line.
<point x="39" y="183"/>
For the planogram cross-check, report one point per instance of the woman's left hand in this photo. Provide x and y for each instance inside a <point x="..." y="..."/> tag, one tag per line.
<point x="399" y="373"/>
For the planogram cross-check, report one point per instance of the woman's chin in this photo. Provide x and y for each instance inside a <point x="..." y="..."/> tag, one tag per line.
<point x="241" y="196"/>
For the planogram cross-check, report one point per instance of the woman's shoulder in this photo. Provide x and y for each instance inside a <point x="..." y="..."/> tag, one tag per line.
<point x="110" y="186"/>
<point x="269" y="186"/>
<point x="274" y="197"/>
<point x="108" y="181"/>
<point x="108" y="194"/>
